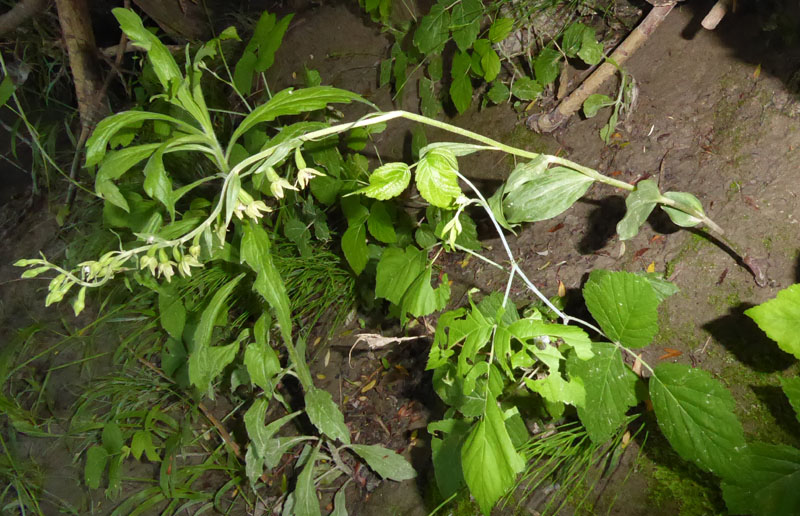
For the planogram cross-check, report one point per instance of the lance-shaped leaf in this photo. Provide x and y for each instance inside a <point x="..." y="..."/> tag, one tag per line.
<point x="489" y="460"/>
<point x="638" y="205"/>
<point x="436" y="177"/>
<point x="610" y="392"/>
<point x="97" y="143"/>
<point x="696" y="414"/>
<point x="305" y="492"/>
<point x="385" y="463"/>
<point x="325" y="414"/>
<point x="546" y="195"/>
<point x="625" y="305"/>
<point x="770" y="487"/>
<point x="779" y="318"/>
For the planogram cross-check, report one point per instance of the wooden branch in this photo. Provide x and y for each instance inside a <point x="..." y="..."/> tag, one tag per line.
<point x="715" y="15"/>
<point x="548" y="122"/>
<point x="20" y="13"/>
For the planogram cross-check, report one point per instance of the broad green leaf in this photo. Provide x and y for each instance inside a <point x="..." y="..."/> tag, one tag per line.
<point x="572" y="39"/>
<point x="446" y="454"/>
<point x="610" y="392"/>
<point x="387" y="181"/>
<point x="433" y="31"/>
<point x="325" y="415"/>
<point x="7" y="88"/>
<point x="207" y="363"/>
<point x="625" y="306"/>
<point x="142" y="442"/>
<point x="460" y="65"/>
<point x="696" y="414"/>
<point x="270" y="44"/>
<point x="109" y="191"/>
<point x="164" y="65"/>
<point x="421" y="299"/>
<point x="255" y="251"/>
<point x="526" y="88"/>
<point x="354" y="246"/>
<point x="489" y="460"/>
<point x="500" y="29"/>
<point x="117" y="163"/>
<point x="555" y="389"/>
<point x="254" y="424"/>
<point x="436" y="177"/>
<point x="243" y="72"/>
<point x="678" y="217"/>
<point x="210" y="315"/>
<point x="96" y="460"/>
<point x="253" y="465"/>
<point x="545" y="196"/>
<point x="171" y="311"/>
<point x="661" y="287"/>
<point x="385" y="463"/>
<point x="779" y="318"/>
<point x="436" y="67"/>
<point x="595" y="103"/>
<point x="546" y="66"/>
<point x="260" y="359"/>
<point x="490" y="62"/>
<point x="791" y="387"/>
<point x="770" y="486"/>
<point x="575" y="337"/>
<point x="305" y="492"/>
<point x="638" y="205"/>
<point x="498" y="93"/>
<point x="108" y="127"/>
<point x="157" y="183"/>
<point x="465" y="22"/>
<point x="591" y="50"/>
<point x="429" y="104"/>
<point x="461" y="93"/>
<point x="293" y="102"/>
<point x="112" y="438"/>
<point x="525" y="172"/>
<point x="380" y="224"/>
<point x="397" y="269"/>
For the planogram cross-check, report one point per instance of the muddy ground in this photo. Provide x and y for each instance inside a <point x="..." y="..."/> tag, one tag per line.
<point x="717" y="115"/>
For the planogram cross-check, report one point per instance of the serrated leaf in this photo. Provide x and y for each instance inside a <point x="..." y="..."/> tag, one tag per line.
<point x="142" y="442"/>
<point x="421" y="299"/>
<point x="396" y="270"/>
<point x="436" y="177"/>
<point x="498" y="93"/>
<point x="489" y="460"/>
<point x="770" y="487"/>
<point x="779" y="318"/>
<point x="679" y="217"/>
<point x="354" y="246"/>
<point x="663" y="288"/>
<point x="555" y="389"/>
<point x="380" y="224"/>
<point x="385" y="463"/>
<point x="446" y="454"/>
<point x="696" y="415"/>
<point x="526" y="88"/>
<point x="490" y="62"/>
<point x="595" y="103"/>
<point x="625" y="306"/>
<point x="465" y="22"/>
<point x="305" y="492"/>
<point x="545" y="196"/>
<point x="96" y="460"/>
<point x="325" y="415"/>
<point x="500" y="29"/>
<point x="546" y="66"/>
<point x="638" y="205"/>
<point x="791" y="387"/>
<point x="387" y="181"/>
<point x="575" y="337"/>
<point x="433" y="31"/>
<point x="112" y="438"/>
<point x="611" y="390"/>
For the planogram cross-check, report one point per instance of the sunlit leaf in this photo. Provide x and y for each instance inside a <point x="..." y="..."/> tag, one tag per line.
<point x="436" y="177"/>
<point x="387" y="181"/>
<point x="384" y="462"/>
<point x="545" y="196"/>
<point x="779" y="318"/>
<point x="638" y="205"/>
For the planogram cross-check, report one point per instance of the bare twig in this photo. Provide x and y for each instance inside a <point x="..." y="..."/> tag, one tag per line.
<point x="20" y="13"/>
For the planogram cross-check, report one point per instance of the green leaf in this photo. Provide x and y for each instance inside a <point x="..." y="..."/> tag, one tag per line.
<point x="253" y="465"/>
<point x="572" y="39"/>
<point x="387" y="181"/>
<point x="458" y="149"/>
<point x="157" y="183"/>
<point x="164" y="65"/>
<point x="339" y="503"/>
<point x="7" y="88"/>
<point x="385" y="463"/>
<point x="576" y="338"/>
<point x="210" y="315"/>
<point x="679" y="217"/>
<point x="498" y="93"/>
<point x="555" y="389"/>
<point x="385" y="73"/>
<point x="779" y="318"/>
<point x="770" y="487"/>
<point x="325" y="415"/>
<point x="791" y="387"/>
<point x="243" y="72"/>
<point x="112" y="438"/>
<point x="490" y="62"/>
<point x="109" y="191"/>
<point x="435" y="67"/>
<point x="436" y="177"/>
<point x="545" y="196"/>
<point x="696" y="414"/>
<point x="546" y="66"/>
<point x="461" y="93"/>
<point x="117" y="163"/>
<point x="354" y="246"/>
<point x="380" y="224"/>
<point x="611" y="390"/>
<point x="293" y="102"/>
<point x="96" y="459"/>
<point x="207" y="363"/>
<point x="270" y="44"/>
<point x="260" y="359"/>
<point x="429" y="103"/>
<point x="500" y="29"/>
<point x="625" y="306"/>
<point x="171" y="311"/>
<point x="489" y="460"/>
<point x="638" y="204"/>
<point x="433" y="31"/>
<point x="255" y="427"/>
<point x="255" y="251"/>
<point x="446" y="454"/>
<point x="595" y="103"/>
<point x="421" y="299"/>
<point x="591" y="51"/>
<point x="305" y="492"/>
<point x="397" y="269"/>
<point x="526" y="88"/>
<point x="142" y="442"/>
<point x="108" y="127"/>
<point x="465" y="22"/>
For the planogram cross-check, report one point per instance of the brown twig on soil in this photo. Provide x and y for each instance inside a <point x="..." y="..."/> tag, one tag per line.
<point x="548" y="122"/>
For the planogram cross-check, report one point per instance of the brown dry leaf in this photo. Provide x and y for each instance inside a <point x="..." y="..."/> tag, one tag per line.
<point x="670" y="353"/>
<point x="651" y="267"/>
<point x="556" y="227"/>
<point x="626" y="438"/>
<point x="368" y="387"/>
<point x="757" y="72"/>
<point x="562" y="290"/>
